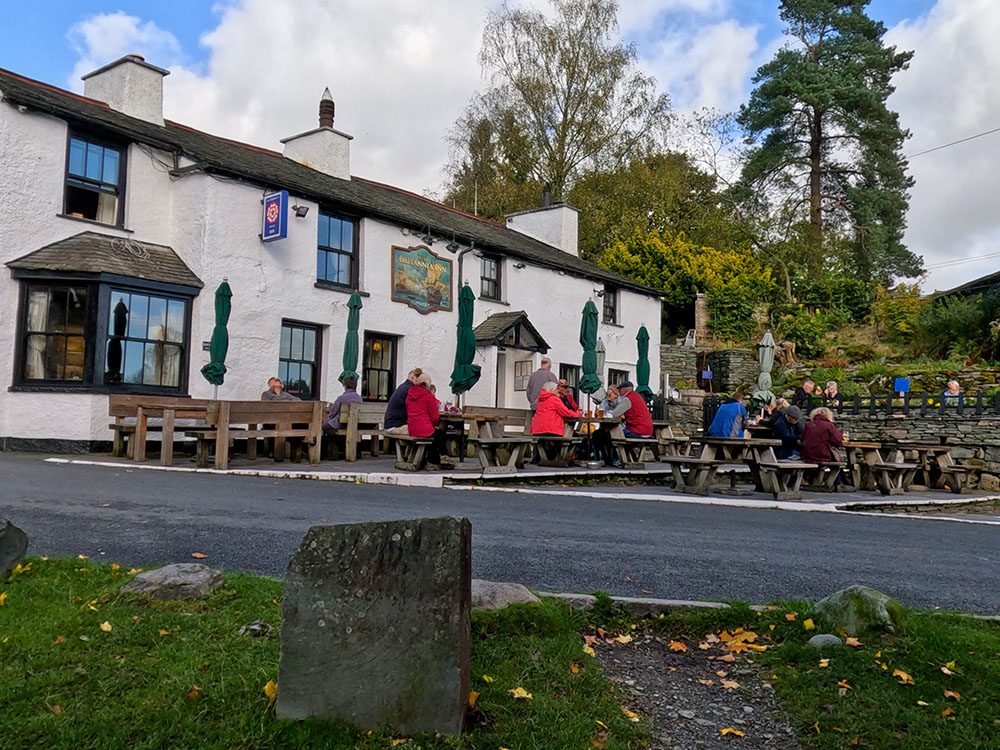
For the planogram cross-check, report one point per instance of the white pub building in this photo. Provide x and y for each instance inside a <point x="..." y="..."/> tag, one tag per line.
<point x="119" y="225"/>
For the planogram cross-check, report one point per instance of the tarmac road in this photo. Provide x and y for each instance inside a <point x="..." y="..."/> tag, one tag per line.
<point x="624" y="547"/>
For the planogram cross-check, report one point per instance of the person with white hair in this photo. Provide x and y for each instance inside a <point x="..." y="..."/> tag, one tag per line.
<point x="830" y="395"/>
<point x="952" y="395"/>
<point x="551" y="415"/>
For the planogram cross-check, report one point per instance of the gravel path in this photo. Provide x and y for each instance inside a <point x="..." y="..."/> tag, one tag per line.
<point x="686" y="714"/>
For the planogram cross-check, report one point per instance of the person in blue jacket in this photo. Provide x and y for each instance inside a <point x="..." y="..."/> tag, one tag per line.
<point x="788" y="429"/>
<point x="729" y="419"/>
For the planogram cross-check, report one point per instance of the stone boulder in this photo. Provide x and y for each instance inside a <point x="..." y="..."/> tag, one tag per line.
<point x="13" y="545"/>
<point x="989" y="483"/>
<point x="858" y="608"/>
<point x="177" y="581"/>
<point x="492" y="595"/>
<point x="825" y="640"/>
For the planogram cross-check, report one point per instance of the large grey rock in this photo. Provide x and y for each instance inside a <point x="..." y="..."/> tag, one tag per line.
<point x="492" y="595"/>
<point x="177" y="581"/>
<point x="376" y="626"/>
<point x="857" y="609"/>
<point x="989" y="483"/>
<point x="13" y="545"/>
<point x="825" y="640"/>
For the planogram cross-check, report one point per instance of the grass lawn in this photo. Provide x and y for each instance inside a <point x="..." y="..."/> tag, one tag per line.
<point x="82" y="666"/>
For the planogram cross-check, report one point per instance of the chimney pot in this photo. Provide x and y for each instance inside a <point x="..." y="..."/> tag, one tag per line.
<point x="327" y="109"/>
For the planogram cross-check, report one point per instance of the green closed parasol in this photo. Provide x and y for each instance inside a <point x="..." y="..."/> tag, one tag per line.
<point x="642" y="365"/>
<point x="215" y="370"/>
<point x="589" y="380"/>
<point x="465" y="375"/>
<point x="351" y="338"/>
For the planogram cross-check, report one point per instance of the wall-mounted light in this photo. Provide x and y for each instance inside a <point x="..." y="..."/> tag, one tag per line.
<point x="428" y="238"/>
<point x="519" y="266"/>
<point x="453" y="246"/>
<point x="377" y="346"/>
<point x="599" y="293"/>
<point x="300" y="211"/>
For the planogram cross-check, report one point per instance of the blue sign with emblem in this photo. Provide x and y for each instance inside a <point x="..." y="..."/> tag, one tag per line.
<point x="274" y="222"/>
<point x="902" y="385"/>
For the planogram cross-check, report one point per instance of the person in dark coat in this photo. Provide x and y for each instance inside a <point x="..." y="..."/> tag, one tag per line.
<point x="775" y="413"/>
<point x="788" y="429"/>
<point x="820" y="438"/>
<point x="395" y="410"/>
<point x="804" y="395"/>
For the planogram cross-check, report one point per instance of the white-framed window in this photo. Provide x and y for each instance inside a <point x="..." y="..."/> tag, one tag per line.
<point x="522" y="371"/>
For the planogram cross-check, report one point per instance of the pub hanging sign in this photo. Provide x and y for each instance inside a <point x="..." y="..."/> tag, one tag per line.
<point x="274" y="217"/>
<point x="421" y="279"/>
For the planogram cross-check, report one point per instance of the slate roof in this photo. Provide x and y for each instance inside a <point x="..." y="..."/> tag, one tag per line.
<point x="490" y="331"/>
<point x="91" y="252"/>
<point x="271" y="170"/>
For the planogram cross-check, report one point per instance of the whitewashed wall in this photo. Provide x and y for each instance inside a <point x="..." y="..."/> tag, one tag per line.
<point x="213" y="225"/>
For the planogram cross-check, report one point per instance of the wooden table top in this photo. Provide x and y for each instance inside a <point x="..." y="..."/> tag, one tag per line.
<point x="739" y="441"/>
<point x="908" y="447"/>
<point x="862" y="444"/>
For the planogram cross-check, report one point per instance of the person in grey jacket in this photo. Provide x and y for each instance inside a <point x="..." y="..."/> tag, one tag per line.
<point x="276" y="392"/>
<point x="538" y="378"/>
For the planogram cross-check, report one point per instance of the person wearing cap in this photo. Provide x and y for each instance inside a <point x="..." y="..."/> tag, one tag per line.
<point x="566" y="396"/>
<point x="634" y="412"/>
<point x="788" y="429"/>
<point x="729" y="419"/>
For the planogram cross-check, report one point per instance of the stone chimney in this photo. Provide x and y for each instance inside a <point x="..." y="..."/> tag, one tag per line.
<point x="129" y="85"/>
<point x="554" y="224"/>
<point x="323" y="149"/>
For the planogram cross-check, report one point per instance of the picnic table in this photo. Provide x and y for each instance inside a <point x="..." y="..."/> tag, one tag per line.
<point x="781" y="479"/>
<point x="935" y="465"/>
<point x="143" y="408"/>
<point x="874" y="467"/>
<point x="497" y="453"/>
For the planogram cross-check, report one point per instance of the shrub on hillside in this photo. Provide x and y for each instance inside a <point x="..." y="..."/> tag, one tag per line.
<point x="806" y="330"/>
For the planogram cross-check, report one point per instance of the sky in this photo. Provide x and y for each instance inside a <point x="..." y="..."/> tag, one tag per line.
<point x="402" y="70"/>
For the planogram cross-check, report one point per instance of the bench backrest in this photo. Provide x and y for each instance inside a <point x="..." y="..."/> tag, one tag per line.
<point x="367" y="412"/>
<point x="121" y="405"/>
<point x="510" y="417"/>
<point x="266" y="412"/>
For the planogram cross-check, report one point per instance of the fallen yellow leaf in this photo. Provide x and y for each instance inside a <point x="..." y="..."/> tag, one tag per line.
<point x="3" y="598"/>
<point x="624" y="639"/>
<point x="852" y="641"/>
<point x="397" y="743"/>
<point x="706" y="682"/>
<point x="677" y="646"/>
<point x="711" y="638"/>
<point x="947" y="671"/>
<point x="59" y="639"/>
<point x="878" y="654"/>
<point x="771" y="626"/>
<point x="791" y="616"/>
<point x="81" y="557"/>
<point x="163" y="632"/>
<point x="487" y="678"/>
<point x="601" y="724"/>
<point x="904" y="679"/>
<point x="948" y="711"/>
<point x="952" y="694"/>
<point x="573" y="668"/>
<point x="824" y="663"/>
<point x="923" y="703"/>
<point x="520" y="692"/>
<point x="473" y="695"/>
<point x="57" y="709"/>
<point x="133" y="571"/>
<point x="816" y="727"/>
<point x="733" y="731"/>
<point x="632" y="715"/>
<point x="729" y="684"/>
<point x="106" y="626"/>
<point x="199" y="555"/>
<point x="722" y="673"/>
<point x="843" y="684"/>
<point x="729" y="658"/>
<point x="271" y="689"/>
<point x="193" y="692"/>
<point x="809" y="624"/>
<point x="951" y="664"/>
<point x="588" y="650"/>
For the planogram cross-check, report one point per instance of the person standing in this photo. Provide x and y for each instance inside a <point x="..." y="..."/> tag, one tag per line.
<point x="729" y="419"/>
<point x="395" y="410"/>
<point x="538" y="378"/>
<point x="276" y="392"/>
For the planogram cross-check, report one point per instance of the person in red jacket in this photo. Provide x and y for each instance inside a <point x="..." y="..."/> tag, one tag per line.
<point x="550" y="419"/>
<point x="820" y="438"/>
<point x="422" y="417"/>
<point x="636" y="416"/>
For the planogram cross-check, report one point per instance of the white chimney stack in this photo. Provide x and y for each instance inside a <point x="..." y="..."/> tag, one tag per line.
<point x="556" y="225"/>
<point x="129" y="85"/>
<point x="323" y="149"/>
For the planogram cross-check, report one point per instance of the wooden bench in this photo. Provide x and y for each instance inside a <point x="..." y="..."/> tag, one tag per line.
<point x="221" y="416"/>
<point x="781" y="479"/>
<point x="411" y="452"/>
<point x="490" y="452"/>
<point x="693" y="474"/>
<point x="130" y="437"/>
<point x="514" y="421"/>
<point x="824" y="479"/>
<point x="954" y="477"/>
<point x="630" y="450"/>
<point x="360" y="420"/>
<point x="555" y="450"/>
<point x="894" y="478"/>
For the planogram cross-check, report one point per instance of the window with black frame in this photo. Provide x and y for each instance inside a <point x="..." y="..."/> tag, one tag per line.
<point x="55" y="333"/>
<point x="145" y="344"/>
<point x="617" y="377"/>
<point x="298" y="359"/>
<point x="489" y="278"/>
<point x="336" y="257"/>
<point x="571" y="374"/>
<point x="378" y="377"/>
<point x="610" y="305"/>
<point x="94" y="180"/>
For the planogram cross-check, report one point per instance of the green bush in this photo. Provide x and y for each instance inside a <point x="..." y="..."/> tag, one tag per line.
<point x="871" y="371"/>
<point x="806" y="330"/>
<point x="732" y="315"/>
<point x="897" y="311"/>
<point x="953" y="326"/>
<point x="851" y="297"/>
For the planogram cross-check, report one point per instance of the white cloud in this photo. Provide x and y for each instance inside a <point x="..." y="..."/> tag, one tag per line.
<point x="947" y="94"/>
<point x="102" y="38"/>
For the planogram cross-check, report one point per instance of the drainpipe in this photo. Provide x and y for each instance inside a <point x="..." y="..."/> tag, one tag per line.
<point x="461" y="255"/>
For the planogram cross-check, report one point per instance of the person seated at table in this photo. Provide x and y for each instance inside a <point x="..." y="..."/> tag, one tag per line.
<point x="804" y="395"/>
<point x="830" y="395"/>
<point x="611" y="401"/>
<point x="564" y="394"/>
<point x="820" y="438"/>
<point x="552" y="413"/>
<point x="773" y="412"/>
<point x="952" y="395"/>
<point x="394" y="421"/>
<point x="434" y="392"/>
<point x="634" y="412"/>
<point x="349" y="396"/>
<point x="729" y="419"/>
<point x="423" y="418"/>
<point x="788" y="429"/>
<point x="276" y="392"/>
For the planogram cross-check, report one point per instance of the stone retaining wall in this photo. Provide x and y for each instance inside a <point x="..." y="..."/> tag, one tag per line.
<point x="732" y="369"/>
<point x="679" y="362"/>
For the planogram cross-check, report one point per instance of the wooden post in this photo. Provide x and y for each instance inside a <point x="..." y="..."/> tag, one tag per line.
<point x="316" y="433"/>
<point x="351" y="448"/>
<point x="139" y="452"/>
<point x="167" y="441"/>
<point x="222" y="437"/>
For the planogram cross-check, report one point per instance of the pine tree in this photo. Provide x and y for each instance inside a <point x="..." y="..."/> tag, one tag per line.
<point x="824" y="143"/>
